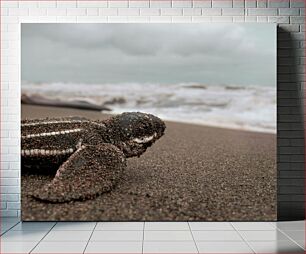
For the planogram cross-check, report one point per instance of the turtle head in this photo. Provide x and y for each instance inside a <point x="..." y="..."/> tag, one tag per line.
<point x="136" y="131"/>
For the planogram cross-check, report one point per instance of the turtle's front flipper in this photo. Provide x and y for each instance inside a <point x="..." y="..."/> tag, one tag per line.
<point x="90" y="171"/>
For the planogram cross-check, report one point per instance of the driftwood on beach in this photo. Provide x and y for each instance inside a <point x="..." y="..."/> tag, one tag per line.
<point x="77" y="104"/>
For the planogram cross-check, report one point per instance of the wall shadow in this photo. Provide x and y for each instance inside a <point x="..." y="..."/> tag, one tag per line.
<point x="290" y="128"/>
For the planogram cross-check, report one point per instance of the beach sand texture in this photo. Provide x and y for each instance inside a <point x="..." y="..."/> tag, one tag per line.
<point x="194" y="173"/>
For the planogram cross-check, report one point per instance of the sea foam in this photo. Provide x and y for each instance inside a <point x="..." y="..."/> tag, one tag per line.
<point x="239" y="107"/>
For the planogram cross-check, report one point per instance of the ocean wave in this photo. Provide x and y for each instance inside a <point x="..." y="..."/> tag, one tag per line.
<point x="229" y="106"/>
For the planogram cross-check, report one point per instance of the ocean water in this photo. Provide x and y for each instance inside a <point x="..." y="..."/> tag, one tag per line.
<point x="238" y="107"/>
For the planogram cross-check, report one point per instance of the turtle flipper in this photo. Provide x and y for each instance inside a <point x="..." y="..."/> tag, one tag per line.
<point x="90" y="171"/>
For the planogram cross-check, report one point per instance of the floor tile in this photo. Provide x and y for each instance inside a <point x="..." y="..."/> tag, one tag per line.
<point x="119" y="226"/>
<point x="22" y="236"/>
<point x="101" y="236"/>
<point x="169" y="247"/>
<point x="216" y="236"/>
<point x="297" y="235"/>
<point x="301" y="243"/>
<point x="223" y="247"/>
<point x="273" y="235"/>
<point x="69" y="236"/>
<point x="9" y="219"/>
<point x="224" y="226"/>
<point x="168" y="236"/>
<point x="33" y="226"/>
<point x="17" y="247"/>
<point x="7" y="225"/>
<point x="253" y="226"/>
<point x="291" y="225"/>
<point x="60" y="247"/>
<point x="273" y="223"/>
<point x="166" y="226"/>
<point x="114" y="247"/>
<point x="3" y="230"/>
<point x="63" y="226"/>
<point x="276" y="247"/>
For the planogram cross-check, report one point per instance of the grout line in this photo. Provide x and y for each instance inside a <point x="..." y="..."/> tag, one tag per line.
<point x="90" y="237"/>
<point x="290" y="238"/>
<point x="244" y="240"/>
<point x="10" y="228"/>
<point x="232" y="226"/>
<point x="273" y="225"/>
<point x="193" y="238"/>
<point x="143" y="232"/>
<point x="42" y="238"/>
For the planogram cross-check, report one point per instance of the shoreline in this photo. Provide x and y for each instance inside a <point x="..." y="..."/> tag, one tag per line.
<point x="219" y="127"/>
<point x="216" y="107"/>
<point x="110" y="113"/>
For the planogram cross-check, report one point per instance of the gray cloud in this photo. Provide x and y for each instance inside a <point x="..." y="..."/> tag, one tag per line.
<point x="163" y="53"/>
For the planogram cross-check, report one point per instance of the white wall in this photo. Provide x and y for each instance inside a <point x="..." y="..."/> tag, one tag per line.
<point x="289" y="14"/>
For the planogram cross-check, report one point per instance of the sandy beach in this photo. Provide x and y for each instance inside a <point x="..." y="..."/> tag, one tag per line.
<point x="193" y="173"/>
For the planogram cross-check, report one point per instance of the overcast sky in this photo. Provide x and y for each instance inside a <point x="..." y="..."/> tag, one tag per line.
<point x="241" y="54"/>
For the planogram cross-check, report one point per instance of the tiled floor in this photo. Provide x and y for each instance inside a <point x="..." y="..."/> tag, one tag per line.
<point x="152" y="237"/>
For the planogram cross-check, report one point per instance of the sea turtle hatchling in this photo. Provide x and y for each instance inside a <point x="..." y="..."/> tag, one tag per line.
<point x="89" y="156"/>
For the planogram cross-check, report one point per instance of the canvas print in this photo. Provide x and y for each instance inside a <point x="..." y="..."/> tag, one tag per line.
<point x="148" y="122"/>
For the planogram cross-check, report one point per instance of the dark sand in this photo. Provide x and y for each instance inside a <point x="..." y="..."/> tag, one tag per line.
<point x="194" y="173"/>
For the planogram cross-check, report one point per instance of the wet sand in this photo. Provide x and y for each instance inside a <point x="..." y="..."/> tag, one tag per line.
<point x="194" y="173"/>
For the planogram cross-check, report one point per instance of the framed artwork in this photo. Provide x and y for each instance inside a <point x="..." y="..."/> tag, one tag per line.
<point x="148" y="122"/>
